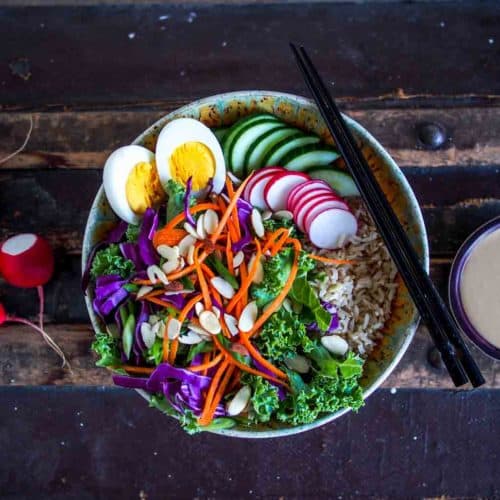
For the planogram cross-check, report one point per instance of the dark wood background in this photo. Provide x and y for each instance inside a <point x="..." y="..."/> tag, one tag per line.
<point x="92" y="78"/>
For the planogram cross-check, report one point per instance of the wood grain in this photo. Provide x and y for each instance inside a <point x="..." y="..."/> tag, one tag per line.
<point x="82" y="55"/>
<point x="26" y="360"/>
<point x="80" y="140"/>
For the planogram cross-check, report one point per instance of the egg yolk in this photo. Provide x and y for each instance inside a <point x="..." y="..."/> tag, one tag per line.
<point x="195" y="160"/>
<point x="143" y="188"/>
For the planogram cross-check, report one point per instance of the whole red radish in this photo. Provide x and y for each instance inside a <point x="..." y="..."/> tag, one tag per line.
<point x="26" y="260"/>
<point x="3" y="315"/>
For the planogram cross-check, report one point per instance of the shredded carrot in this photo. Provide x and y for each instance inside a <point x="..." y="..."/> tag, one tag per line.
<point x="160" y="302"/>
<point x="258" y="357"/>
<point x="276" y="303"/>
<point x="242" y="303"/>
<point x="207" y="364"/>
<point x="273" y="237"/>
<point x="327" y="260"/>
<point x="247" y="281"/>
<point x="138" y="369"/>
<point x="229" y="255"/>
<point x="205" y="416"/>
<point x="246" y="368"/>
<point x="170" y="238"/>
<point x="207" y="271"/>
<point x="278" y="245"/>
<point x="201" y="278"/>
<point x="154" y="293"/>
<point x="229" y="209"/>
<point x="166" y="343"/>
<point x="235" y="221"/>
<point x="180" y="217"/>
<point x="219" y="394"/>
<point x="234" y="383"/>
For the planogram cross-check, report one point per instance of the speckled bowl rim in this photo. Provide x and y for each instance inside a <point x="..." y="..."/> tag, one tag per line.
<point x="397" y="173"/>
<point x="454" y="293"/>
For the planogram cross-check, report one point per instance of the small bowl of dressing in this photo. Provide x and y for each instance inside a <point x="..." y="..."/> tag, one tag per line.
<point x="474" y="287"/>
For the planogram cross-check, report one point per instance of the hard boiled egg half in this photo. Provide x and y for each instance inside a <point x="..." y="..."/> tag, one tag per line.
<point x="188" y="149"/>
<point x="131" y="182"/>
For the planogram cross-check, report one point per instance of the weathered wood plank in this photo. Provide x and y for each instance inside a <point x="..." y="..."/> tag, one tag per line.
<point x="26" y="360"/>
<point x="110" y="54"/>
<point x="85" y="139"/>
<point x="455" y="202"/>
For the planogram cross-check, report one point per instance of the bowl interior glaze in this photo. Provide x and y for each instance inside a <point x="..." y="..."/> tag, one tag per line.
<point x="224" y="109"/>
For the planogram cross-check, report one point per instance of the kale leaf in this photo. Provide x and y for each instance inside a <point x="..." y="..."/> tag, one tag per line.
<point x="110" y="261"/>
<point x="108" y="349"/>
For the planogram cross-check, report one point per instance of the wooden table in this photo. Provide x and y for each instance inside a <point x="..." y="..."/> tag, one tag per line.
<point x="91" y="78"/>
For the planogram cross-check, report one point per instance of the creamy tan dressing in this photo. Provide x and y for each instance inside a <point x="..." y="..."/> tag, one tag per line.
<point x="480" y="288"/>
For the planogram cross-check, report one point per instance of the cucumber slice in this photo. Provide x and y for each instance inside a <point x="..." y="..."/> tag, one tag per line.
<point x="220" y="133"/>
<point x="339" y="180"/>
<point x="312" y="155"/>
<point x="261" y="146"/>
<point x="279" y="150"/>
<point x="247" y="136"/>
<point x="235" y="129"/>
<point x="128" y="335"/>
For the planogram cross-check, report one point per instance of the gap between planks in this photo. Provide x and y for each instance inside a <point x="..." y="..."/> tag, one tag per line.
<point x="84" y="139"/>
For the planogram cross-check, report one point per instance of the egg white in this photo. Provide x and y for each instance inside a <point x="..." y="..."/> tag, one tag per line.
<point x="116" y="171"/>
<point x="183" y="130"/>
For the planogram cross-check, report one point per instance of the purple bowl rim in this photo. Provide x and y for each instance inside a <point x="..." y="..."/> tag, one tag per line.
<point x="454" y="294"/>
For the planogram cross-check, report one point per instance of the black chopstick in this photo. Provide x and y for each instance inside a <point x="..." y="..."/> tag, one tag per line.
<point x="442" y="327"/>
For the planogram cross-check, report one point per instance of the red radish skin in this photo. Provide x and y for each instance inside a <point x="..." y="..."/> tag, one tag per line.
<point x="311" y="195"/>
<point x="257" y="175"/>
<point x="256" y="195"/>
<point x="298" y="191"/>
<point x="3" y="315"/>
<point x="26" y="261"/>
<point x="331" y="228"/>
<point x="278" y="188"/>
<point x="302" y="208"/>
<point x="313" y="211"/>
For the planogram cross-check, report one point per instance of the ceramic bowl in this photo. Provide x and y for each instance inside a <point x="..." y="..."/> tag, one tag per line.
<point x="224" y="109"/>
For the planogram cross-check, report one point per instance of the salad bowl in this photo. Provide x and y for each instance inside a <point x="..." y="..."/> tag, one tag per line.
<point x="224" y="109"/>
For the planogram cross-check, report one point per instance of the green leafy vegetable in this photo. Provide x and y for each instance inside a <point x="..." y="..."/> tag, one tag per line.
<point x="329" y="366"/>
<point x="189" y="423"/>
<point x="303" y="293"/>
<point x="155" y="353"/>
<point x="110" y="261"/>
<point x="264" y="398"/>
<point x="200" y="348"/>
<point x="281" y="336"/>
<point x="108" y="350"/>
<point x="272" y="225"/>
<point x="328" y="391"/>
<point x="160" y="403"/>
<point x="217" y="266"/>
<point x="132" y="233"/>
<point x="175" y="204"/>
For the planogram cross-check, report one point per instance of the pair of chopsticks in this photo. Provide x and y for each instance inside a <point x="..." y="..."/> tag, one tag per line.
<point x="442" y="327"/>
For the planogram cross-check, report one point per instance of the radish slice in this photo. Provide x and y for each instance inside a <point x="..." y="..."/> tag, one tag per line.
<point x="297" y="192"/>
<point x="321" y="206"/>
<point x="258" y="174"/>
<point x="312" y="195"/>
<point x="331" y="228"/>
<point x="26" y="261"/>
<point x="277" y="190"/>
<point x="256" y="193"/>
<point x="302" y="208"/>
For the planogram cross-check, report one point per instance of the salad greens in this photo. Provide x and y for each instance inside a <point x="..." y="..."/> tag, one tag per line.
<point x="264" y="400"/>
<point x="175" y="195"/>
<point x="110" y="261"/>
<point x="107" y="348"/>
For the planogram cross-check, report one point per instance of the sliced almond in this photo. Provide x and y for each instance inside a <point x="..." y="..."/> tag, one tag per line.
<point x="173" y="328"/>
<point x="198" y="308"/>
<point x="200" y="227"/>
<point x="181" y="263"/>
<point x="248" y="317"/>
<point x="170" y="266"/>
<point x="238" y="259"/>
<point x="159" y="329"/>
<point x="259" y="275"/>
<point x="239" y="401"/>
<point x="257" y="225"/>
<point x="223" y="287"/>
<point x="190" y="255"/>
<point x="191" y="230"/>
<point x="211" y="220"/>
<point x="190" y="338"/>
<point x="184" y="245"/>
<point x="287" y="305"/>
<point x="266" y="214"/>
<point x="335" y="344"/>
<point x="144" y="290"/>
<point x="232" y="324"/>
<point x="147" y="334"/>
<point x="154" y="274"/>
<point x="167" y="252"/>
<point x="209" y="322"/>
<point x="283" y="215"/>
<point x="200" y="331"/>
<point x="298" y="363"/>
<point x="234" y="179"/>
<point x="153" y="319"/>
<point x="216" y="311"/>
